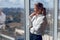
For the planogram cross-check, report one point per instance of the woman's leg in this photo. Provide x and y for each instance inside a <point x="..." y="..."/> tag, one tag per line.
<point x="39" y="37"/>
<point x="32" y="36"/>
<point x="35" y="37"/>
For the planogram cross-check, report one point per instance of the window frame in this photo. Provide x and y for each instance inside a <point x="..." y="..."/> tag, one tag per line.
<point x="55" y="18"/>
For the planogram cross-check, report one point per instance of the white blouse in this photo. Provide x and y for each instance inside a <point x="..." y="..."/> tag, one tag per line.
<point x="36" y="23"/>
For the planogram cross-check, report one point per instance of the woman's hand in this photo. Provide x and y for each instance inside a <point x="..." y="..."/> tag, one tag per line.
<point x="30" y="27"/>
<point x="32" y="14"/>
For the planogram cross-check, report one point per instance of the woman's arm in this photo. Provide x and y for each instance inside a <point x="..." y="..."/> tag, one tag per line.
<point x="30" y="18"/>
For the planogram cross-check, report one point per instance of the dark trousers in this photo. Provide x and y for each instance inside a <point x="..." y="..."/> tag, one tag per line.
<point x="35" y="37"/>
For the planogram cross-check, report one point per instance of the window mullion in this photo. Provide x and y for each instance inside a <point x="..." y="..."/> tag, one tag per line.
<point x="55" y="19"/>
<point x="27" y="18"/>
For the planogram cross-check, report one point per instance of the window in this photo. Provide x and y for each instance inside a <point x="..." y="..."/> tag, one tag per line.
<point x="14" y="19"/>
<point x="16" y="24"/>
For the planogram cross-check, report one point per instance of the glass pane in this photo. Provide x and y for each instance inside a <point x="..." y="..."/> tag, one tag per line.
<point x="59" y="22"/>
<point x="12" y="20"/>
<point x="48" y="5"/>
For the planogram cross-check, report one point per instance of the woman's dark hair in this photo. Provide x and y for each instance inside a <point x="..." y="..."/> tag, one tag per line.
<point x="39" y="5"/>
<point x="44" y="11"/>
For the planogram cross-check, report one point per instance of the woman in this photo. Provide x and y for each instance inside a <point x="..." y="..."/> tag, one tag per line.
<point x="38" y="22"/>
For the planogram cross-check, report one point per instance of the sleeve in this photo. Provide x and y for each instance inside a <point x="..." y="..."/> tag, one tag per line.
<point x="30" y="23"/>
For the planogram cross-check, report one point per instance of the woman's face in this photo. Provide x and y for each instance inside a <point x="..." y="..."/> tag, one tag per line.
<point x="35" y="8"/>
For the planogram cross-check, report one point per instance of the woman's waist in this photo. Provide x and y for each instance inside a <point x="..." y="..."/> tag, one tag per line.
<point x="37" y="32"/>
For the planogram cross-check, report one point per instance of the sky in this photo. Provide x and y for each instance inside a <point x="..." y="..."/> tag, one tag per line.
<point x="20" y="3"/>
<point x="46" y="3"/>
<point x="11" y="3"/>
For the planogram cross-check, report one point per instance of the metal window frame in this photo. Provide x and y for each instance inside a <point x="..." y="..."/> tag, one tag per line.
<point x="55" y="19"/>
<point x="27" y="19"/>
